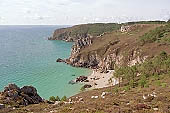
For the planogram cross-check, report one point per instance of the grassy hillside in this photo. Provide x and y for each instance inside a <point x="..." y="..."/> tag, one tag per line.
<point x="143" y="88"/>
<point x="126" y="43"/>
<point x="81" y="31"/>
<point x="94" y="29"/>
<point x="147" y="93"/>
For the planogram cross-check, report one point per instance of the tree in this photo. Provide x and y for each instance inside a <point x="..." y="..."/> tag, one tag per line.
<point x="64" y="98"/>
<point x="52" y="98"/>
<point x="119" y="73"/>
<point x="57" y="98"/>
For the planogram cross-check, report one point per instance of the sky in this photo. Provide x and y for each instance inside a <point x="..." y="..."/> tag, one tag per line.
<point x="71" y="12"/>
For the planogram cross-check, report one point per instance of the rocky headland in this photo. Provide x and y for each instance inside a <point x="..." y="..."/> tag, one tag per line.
<point x="110" y="48"/>
<point x="13" y="97"/>
<point x="137" y="53"/>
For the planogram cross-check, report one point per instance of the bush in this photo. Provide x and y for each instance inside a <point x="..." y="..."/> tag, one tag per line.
<point x="158" y="83"/>
<point x="116" y="90"/>
<point x="57" y="98"/>
<point x="82" y="88"/>
<point x="153" y="69"/>
<point x="127" y="88"/>
<point x="164" y="85"/>
<point x="52" y="98"/>
<point x="159" y="34"/>
<point x="142" y="81"/>
<point x="64" y="98"/>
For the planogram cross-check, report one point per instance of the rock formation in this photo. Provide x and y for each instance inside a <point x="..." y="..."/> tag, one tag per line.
<point x="115" y="53"/>
<point x="15" y="96"/>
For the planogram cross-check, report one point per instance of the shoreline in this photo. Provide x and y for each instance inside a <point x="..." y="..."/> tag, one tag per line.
<point x="101" y="80"/>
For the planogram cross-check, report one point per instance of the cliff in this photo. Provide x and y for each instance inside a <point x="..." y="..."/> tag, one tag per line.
<point x="112" y="49"/>
<point x="144" y="87"/>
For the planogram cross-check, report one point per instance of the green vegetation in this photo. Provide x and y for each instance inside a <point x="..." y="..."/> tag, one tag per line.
<point x="82" y="88"/>
<point x="57" y="98"/>
<point x="94" y="29"/>
<point x="140" y="75"/>
<point x="64" y="98"/>
<point x="52" y="98"/>
<point x="160" y="34"/>
<point x="145" y="22"/>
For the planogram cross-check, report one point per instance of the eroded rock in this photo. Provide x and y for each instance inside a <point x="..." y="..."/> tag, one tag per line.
<point x="15" y="96"/>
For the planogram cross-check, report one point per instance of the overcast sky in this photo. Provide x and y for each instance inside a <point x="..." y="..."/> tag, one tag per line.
<point x="70" y="12"/>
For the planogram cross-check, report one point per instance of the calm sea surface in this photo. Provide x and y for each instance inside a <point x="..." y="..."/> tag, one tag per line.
<point x="28" y="58"/>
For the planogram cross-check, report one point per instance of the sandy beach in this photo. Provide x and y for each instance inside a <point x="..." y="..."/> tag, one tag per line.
<point x="101" y="80"/>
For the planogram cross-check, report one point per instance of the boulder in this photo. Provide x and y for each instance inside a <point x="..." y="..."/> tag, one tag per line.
<point x="60" y="60"/>
<point x="11" y="87"/>
<point x="13" y="95"/>
<point x="30" y="94"/>
<point x="87" y="86"/>
<point x="81" y="79"/>
<point x="72" y="82"/>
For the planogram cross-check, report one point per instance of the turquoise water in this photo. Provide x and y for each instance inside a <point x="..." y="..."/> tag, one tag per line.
<point x="28" y="58"/>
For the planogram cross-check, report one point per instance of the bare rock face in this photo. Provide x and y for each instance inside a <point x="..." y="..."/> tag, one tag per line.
<point x="115" y="59"/>
<point x="81" y="43"/>
<point x="15" y="96"/>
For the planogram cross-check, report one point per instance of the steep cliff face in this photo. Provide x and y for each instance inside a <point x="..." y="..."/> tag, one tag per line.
<point x="109" y="62"/>
<point x="110" y="49"/>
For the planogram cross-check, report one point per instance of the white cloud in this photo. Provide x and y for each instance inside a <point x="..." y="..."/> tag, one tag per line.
<point x="80" y="11"/>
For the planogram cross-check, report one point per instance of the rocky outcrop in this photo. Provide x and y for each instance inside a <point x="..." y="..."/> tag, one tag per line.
<point x="75" y="50"/>
<point x="81" y="43"/>
<point x="114" y="52"/>
<point x="60" y="60"/>
<point x="81" y="79"/>
<point x="109" y="62"/>
<point x="15" y="96"/>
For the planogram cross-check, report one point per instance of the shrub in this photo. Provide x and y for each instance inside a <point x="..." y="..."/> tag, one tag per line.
<point x="159" y="34"/>
<point x="116" y="90"/>
<point x="164" y="85"/>
<point x="57" y="98"/>
<point x="142" y="81"/>
<point x="52" y="98"/>
<point x="153" y="69"/>
<point x="64" y="98"/>
<point x="127" y="88"/>
<point x="146" y="85"/>
<point x="158" y="83"/>
<point x="82" y="88"/>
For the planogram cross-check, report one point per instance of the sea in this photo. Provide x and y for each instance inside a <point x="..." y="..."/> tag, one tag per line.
<point x="28" y="58"/>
